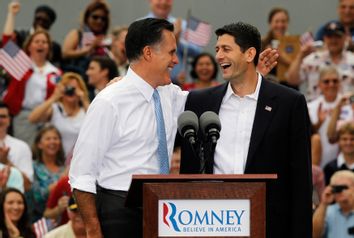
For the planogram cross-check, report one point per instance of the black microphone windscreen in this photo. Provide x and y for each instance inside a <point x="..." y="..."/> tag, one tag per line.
<point x="187" y="120"/>
<point x="208" y="119"/>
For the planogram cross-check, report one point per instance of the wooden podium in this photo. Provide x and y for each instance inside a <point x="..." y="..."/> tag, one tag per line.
<point x="148" y="190"/>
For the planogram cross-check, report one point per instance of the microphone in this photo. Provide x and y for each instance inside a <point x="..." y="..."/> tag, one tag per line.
<point x="210" y="126"/>
<point x="188" y="126"/>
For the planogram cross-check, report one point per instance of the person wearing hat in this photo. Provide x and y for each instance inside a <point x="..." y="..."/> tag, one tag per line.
<point x="74" y="228"/>
<point x="345" y="11"/>
<point x="309" y="61"/>
<point x="44" y="17"/>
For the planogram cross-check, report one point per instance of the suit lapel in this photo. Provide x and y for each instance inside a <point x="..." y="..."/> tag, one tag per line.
<point x="266" y="107"/>
<point x="213" y="102"/>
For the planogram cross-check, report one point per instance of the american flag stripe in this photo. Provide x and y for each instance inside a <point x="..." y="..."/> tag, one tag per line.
<point x="306" y="38"/>
<point x="198" y="32"/>
<point x="14" y="60"/>
<point x="40" y="228"/>
<point x="11" y="65"/>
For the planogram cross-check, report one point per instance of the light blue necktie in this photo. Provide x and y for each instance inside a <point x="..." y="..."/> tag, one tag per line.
<point x="161" y="134"/>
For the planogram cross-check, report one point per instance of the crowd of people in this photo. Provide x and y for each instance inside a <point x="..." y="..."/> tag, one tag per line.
<point x="42" y="114"/>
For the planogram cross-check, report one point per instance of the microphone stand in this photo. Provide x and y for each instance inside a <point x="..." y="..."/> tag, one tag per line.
<point x="208" y="147"/>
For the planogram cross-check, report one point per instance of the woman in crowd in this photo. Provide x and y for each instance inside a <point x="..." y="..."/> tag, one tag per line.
<point x="81" y="44"/>
<point x="278" y="20"/>
<point x="48" y="168"/>
<point x="38" y="84"/>
<point x="65" y="109"/>
<point x="14" y="221"/>
<point x="204" y="72"/>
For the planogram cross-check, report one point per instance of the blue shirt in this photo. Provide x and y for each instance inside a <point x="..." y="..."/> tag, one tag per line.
<point x="337" y="224"/>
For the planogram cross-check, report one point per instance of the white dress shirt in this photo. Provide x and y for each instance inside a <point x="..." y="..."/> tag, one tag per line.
<point x="118" y="137"/>
<point x="236" y="117"/>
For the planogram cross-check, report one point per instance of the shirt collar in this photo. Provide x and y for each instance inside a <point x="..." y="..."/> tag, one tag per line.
<point x="254" y="95"/>
<point x="341" y="161"/>
<point x="46" y="69"/>
<point x="169" y="18"/>
<point x="145" y="89"/>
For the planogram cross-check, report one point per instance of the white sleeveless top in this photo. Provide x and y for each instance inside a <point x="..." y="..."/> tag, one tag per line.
<point x="68" y="126"/>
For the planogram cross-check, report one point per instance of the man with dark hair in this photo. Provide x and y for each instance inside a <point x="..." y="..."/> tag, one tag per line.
<point x="129" y="128"/>
<point x="100" y="71"/>
<point x="265" y="130"/>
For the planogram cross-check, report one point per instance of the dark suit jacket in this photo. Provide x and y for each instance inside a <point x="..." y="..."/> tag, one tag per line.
<point x="280" y="144"/>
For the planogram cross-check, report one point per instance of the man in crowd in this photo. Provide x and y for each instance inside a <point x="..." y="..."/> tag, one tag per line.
<point x="100" y="71"/>
<point x="74" y="228"/>
<point x="345" y="11"/>
<point x="308" y="63"/>
<point x="161" y="9"/>
<point x="14" y="152"/>
<point x="336" y="220"/>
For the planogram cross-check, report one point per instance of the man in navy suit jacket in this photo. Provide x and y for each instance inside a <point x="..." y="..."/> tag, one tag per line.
<point x="265" y="130"/>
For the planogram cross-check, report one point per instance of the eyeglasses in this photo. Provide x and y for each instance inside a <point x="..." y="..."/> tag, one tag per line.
<point x="328" y="81"/>
<point x="97" y="17"/>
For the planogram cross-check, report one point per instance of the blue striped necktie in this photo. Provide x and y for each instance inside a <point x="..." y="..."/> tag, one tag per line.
<point x="161" y="134"/>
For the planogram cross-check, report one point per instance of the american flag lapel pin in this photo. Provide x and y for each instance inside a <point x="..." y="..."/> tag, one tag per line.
<point x="268" y="108"/>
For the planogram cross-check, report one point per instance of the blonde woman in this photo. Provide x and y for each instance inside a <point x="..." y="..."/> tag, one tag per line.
<point x="65" y="109"/>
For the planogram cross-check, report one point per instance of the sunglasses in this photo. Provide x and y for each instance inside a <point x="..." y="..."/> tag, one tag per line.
<point x="328" y="81"/>
<point x="97" y="17"/>
<point x="40" y="18"/>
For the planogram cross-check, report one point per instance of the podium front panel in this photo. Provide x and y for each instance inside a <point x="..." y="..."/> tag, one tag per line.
<point x="224" y="202"/>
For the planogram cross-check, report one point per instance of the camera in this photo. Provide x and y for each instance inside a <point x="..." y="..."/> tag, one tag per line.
<point x="338" y="188"/>
<point x="351" y="99"/>
<point x="351" y="230"/>
<point x="69" y="91"/>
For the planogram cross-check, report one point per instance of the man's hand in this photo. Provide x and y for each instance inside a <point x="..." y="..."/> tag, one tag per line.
<point x="116" y="79"/>
<point x="267" y="61"/>
<point x="327" y="196"/>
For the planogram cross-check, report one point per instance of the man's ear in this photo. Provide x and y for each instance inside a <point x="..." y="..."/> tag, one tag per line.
<point x="147" y="53"/>
<point x="250" y="54"/>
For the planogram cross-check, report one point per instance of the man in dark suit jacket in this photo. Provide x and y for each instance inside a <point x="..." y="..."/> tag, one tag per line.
<point x="272" y="132"/>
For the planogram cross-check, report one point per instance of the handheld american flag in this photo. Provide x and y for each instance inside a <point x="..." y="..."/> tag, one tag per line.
<point x="14" y="60"/>
<point x="198" y="32"/>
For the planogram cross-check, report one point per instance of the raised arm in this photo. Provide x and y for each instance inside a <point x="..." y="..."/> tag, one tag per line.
<point x="319" y="216"/>
<point x="13" y="9"/>
<point x="43" y="112"/>
<point x="293" y="77"/>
